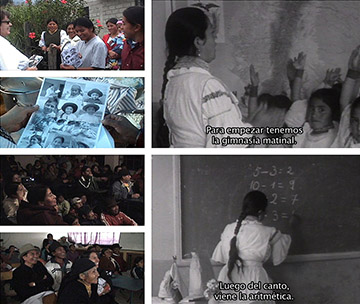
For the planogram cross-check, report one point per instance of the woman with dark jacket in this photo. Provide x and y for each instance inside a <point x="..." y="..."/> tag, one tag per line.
<point x="79" y="285"/>
<point x="108" y="263"/>
<point x="104" y="285"/>
<point x="40" y="210"/>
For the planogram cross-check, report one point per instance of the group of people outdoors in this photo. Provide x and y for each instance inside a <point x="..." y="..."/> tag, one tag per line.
<point x="66" y="191"/>
<point x="122" y="48"/>
<point x="329" y="117"/>
<point x="69" y="272"/>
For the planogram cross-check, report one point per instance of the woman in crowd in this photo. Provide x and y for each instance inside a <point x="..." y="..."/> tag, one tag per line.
<point x="72" y="39"/>
<point x="132" y="56"/>
<point x="104" y="284"/>
<point x="40" y="210"/>
<point x="51" y="41"/>
<point x="15" y="194"/>
<point x="31" y="280"/>
<point x="114" y="44"/>
<point x="79" y="285"/>
<point x="92" y="50"/>
<point x="108" y="263"/>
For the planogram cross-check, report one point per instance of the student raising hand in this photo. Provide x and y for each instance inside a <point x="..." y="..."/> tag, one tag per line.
<point x="350" y="86"/>
<point x="354" y="60"/>
<point x="295" y="70"/>
<point x="332" y="76"/>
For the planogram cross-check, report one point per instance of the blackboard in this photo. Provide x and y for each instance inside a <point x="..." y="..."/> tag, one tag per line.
<point x="323" y="191"/>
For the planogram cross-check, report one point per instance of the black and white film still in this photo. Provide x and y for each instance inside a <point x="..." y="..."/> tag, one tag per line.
<point x="265" y="64"/>
<point x="292" y="221"/>
<point x="64" y="264"/>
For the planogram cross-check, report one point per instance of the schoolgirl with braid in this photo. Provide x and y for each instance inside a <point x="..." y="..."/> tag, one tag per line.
<point x="193" y="98"/>
<point x="246" y="244"/>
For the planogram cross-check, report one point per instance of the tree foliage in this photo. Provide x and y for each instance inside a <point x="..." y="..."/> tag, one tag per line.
<point x="29" y="19"/>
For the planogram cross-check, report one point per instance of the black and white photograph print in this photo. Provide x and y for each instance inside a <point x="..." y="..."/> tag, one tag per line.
<point x="255" y="228"/>
<point x="66" y="117"/>
<point x="237" y="74"/>
<point x="99" y="112"/>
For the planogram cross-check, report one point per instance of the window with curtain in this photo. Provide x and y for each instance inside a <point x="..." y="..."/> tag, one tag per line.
<point x="101" y="238"/>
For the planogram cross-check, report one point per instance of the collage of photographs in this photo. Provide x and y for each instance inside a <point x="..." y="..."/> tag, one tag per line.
<point x="277" y="221"/>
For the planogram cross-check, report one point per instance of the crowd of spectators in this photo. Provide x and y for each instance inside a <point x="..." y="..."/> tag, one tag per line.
<point x="65" y="271"/>
<point x="68" y="190"/>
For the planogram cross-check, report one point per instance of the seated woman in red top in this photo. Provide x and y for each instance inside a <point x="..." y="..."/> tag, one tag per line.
<point x="132" y="56"/>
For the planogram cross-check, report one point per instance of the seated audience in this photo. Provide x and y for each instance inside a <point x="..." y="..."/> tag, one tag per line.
<point x="40" y="210"/>
<point x="118" y="256"/>
<point x="72" y="255"/>
<point x="137" y="271"/>
<point x="59" y="204"/>
<point x="31" y="280"/>
<point x="108" y="263"/>
<point x="112" y="216"/>
<point x="58" y="265"/>
<point x="79" y="285"/>
<point x="15" y="194"/>
<point x="104" y="285"/>
<point x="88" y="217"/>
<point x="123" y="188"/>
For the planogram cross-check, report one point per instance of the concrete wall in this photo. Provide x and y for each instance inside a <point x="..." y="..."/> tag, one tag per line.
<point x="106" y="9"/>
<point x="316" y="282"/>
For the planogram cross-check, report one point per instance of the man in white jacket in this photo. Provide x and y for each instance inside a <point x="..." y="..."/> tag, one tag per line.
<point x="58" y="265"/>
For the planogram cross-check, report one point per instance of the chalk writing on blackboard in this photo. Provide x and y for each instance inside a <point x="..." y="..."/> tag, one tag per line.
<point x="282" y="184"/>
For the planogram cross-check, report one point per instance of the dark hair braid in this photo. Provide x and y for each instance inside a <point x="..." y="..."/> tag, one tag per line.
<point x="169" y="64"/>
<point x="233" y="253"/>
<point x="253" y="202"/>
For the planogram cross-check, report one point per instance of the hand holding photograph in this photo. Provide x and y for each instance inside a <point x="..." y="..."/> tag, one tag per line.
<point x="69" y="116"/>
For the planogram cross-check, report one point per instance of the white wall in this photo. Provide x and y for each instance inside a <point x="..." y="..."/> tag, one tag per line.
<point x="163" y="206"/>
<point x="131" y="241"/>
<point x="20" y="239"/>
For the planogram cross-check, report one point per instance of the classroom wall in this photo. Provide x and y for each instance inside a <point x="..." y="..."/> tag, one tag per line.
<point x="112" y="160"/>
<point x="130" y="241"/>
<point x="335" y="281"/>
<point x="267" y="34"/>
<point x="20" y="239"/>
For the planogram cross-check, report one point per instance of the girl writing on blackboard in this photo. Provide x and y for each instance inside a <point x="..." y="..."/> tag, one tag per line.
<point x="246" y="244"/>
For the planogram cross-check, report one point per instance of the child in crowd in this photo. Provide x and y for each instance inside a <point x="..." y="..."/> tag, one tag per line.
<point x="137" y="270"/>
